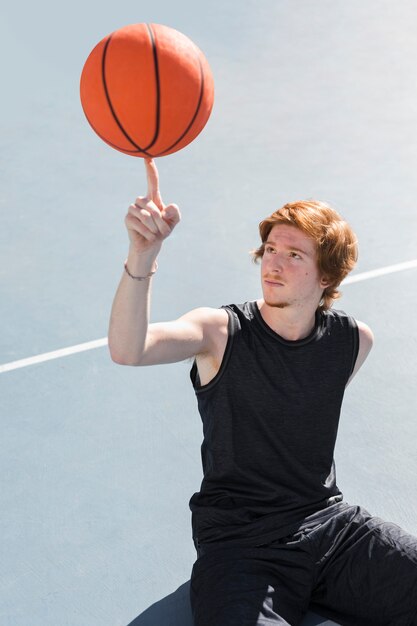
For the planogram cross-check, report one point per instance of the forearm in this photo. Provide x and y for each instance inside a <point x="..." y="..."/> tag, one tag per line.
<point x="148" y="223"/>
<point x="130" y="312"/>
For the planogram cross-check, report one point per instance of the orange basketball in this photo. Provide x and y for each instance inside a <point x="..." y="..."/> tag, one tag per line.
<point x="147" y="90"/>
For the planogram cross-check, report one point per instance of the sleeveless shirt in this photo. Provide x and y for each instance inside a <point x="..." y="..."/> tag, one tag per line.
<point x="270" y="418"/>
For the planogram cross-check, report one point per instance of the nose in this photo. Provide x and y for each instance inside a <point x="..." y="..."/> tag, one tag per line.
<point x="276" y="263"/>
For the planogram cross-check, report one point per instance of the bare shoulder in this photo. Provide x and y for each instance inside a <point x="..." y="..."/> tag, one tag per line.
<point x="206" y="315"/>
<point x="214" y="326"/>
<point x="366" y="340"/>
<point x="366" y="336"/>
<point x="213" y="323"/>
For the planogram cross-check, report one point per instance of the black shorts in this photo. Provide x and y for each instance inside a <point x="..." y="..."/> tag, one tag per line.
<point x="342" y="563"/>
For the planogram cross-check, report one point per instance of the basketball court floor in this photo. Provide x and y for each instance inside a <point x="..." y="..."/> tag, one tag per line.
<point x="98" y="461"/>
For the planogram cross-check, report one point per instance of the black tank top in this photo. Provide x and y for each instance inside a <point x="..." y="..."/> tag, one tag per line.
<point x="270" y="418"/>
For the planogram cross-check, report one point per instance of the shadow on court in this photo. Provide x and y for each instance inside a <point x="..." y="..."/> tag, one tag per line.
<point x="175" y="610"/>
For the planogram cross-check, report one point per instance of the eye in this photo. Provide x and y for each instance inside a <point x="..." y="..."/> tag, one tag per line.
<point x="269" y="249"/>
<point x="295" y="255"/>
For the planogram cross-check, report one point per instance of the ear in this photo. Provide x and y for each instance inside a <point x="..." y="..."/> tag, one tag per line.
<point x="324" y="282"/>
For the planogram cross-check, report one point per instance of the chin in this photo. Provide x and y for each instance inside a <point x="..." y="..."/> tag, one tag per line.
<point x="277" y="305"/>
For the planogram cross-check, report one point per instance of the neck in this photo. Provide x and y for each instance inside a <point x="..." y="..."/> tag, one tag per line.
<point x="290" y="323"/>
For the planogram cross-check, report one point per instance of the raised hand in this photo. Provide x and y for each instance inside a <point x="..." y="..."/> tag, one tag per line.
<point x="148" y="220"/>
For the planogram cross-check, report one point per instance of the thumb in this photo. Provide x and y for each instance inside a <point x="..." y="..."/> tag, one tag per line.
<point x="171" y="214"/>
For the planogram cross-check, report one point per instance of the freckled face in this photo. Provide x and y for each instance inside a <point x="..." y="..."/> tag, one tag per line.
<point x="290" y="276"/>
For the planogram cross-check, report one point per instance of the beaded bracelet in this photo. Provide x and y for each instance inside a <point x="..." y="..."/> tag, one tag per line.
<point x="141" y="277"/>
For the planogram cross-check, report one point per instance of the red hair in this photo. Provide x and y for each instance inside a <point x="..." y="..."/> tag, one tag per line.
<point x="336" y="243"/>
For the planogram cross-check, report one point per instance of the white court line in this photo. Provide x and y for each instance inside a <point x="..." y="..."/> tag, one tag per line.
<point x="390" y="269"/>
<point x="56" y="354"/>
<point x="99" y="343"/>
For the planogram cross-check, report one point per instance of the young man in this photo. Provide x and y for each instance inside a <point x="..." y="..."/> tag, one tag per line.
<point x="272" y="532"/>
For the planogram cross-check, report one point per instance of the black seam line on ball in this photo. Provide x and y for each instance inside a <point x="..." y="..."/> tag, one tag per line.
<point x="113" y="145"/>
<point x="158" y="88"/>
<point x="194" y="116"/>
<point x="116" y="119"/>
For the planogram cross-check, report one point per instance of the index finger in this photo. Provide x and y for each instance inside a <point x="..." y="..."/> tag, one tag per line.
<point x="153" y="183"/>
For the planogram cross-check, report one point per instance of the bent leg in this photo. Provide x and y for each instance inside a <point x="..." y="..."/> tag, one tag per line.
<point x="367" y="571"/>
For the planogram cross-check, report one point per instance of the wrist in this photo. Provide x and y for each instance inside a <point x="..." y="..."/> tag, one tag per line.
<point x="141" y="263"/>
<point x="140" y="278"/>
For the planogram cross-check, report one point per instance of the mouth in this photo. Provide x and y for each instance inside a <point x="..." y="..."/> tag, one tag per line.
<point x="274" y="283"/>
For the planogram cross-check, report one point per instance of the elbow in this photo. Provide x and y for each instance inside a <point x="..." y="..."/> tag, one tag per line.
<point x="119" y="360"/>
<point x="122" y="359"/>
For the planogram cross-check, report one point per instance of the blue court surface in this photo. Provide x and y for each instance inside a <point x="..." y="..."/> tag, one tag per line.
<point x="98" y="461"/>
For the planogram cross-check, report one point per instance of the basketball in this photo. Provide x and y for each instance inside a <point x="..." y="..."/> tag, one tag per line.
<point x="147" y="90"/>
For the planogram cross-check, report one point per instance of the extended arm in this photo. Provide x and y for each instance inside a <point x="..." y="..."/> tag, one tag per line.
<point x="132" y="339"/>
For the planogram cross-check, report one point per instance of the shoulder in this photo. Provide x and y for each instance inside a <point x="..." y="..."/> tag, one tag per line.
<point x="213" y="325"/>
<point x="206" y="315"/>
<point x="210" y="321"/>
<point x="366" y="336"/>
<point x="366" y="340"/>
<point x="363" y="336"/>
<point x="343" y="320"/>
<point x="217" y="324"/>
